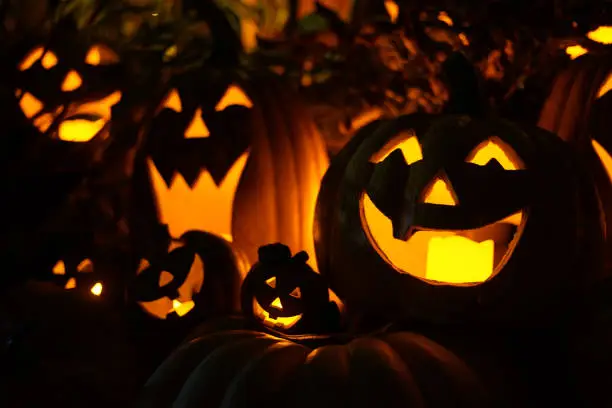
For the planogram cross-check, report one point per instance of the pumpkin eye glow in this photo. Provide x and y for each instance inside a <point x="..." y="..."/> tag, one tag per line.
<point x="72" y="81"/>
<point x="495" y="149"/>
<point x="29" y="104"/>
<point x="86" y="266"/>
<point x="96" y="289"/>
<point x="271" y="282"/>
<point x="296" y="293"/>
<point x="49" y="60"/>
<point x="407" y="142"/>
<point x="234" y="95"/>
<point x="70" y="284"/>
<point x="277" y="304"/>
<point x="29" y="60"/>
<point x="173" y="102"/>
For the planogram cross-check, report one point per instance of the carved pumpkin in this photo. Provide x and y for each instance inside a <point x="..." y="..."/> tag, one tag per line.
<point x="200" y="275"/>
<point x="578" y="111"/>
<point x="238" y="158"/>
<point x="247" y="368"/>
<point x="449" y="218"/>
<point x="283" y="293"/>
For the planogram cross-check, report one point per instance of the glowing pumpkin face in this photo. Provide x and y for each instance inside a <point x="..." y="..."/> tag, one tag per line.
<point x="284" y="294"/>
<point x="239" y="160"/>
<point x="76" y="273"/>
<point x="438" y="217"/>
<point x="68" y="92"/>
<point x="199" y="276"/>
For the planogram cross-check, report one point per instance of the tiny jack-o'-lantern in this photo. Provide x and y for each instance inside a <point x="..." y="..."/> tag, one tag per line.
<point x="198" y="277"/>
<point x="238" y="158"/>
<point x="76" y="274"/>
<point x="450" y="218"/>
<point x="578" y="111"/>
<point x="66" y="89"/>
<point x="285" y="294"/>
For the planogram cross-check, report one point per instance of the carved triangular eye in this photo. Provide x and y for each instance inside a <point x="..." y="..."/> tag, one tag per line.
<point x="30" y="105"/>
<point x="144" y="264"/>
<point x="277" y="304"/>
<point x="72" y="81"/>
<point x="234" y="95"/>
<point x="271" y="282"/>
<point x="59" y="268"/>
<point x="49" y="60"/>
<point x="165" y="278"/>
<point x="495" y="149"/>
<point x="31" y="58"/>
<point x="296" y="293"/>
<point x="440" y="192"/>
<point x="173" y="101"/>
<point x="86" y="266"/>
<point x="71" y="284"/>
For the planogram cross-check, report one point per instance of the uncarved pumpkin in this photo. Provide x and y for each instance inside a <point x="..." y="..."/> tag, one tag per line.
<point x="578" y="110"/>
<point x="233" y="155"/>
<point x="453" y="219"/>
<point x="251" y="369"/>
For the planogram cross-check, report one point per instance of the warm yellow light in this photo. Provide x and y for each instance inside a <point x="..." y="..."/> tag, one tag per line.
<point x="71" y="284"/>
<point x="96" y="289"/>
<point x="31" y="58"/>
<point x="442" y="16"/>
<point x="182" y="308"/>
<point x="79" y="130"/>
<point x="59" y="268"/>
<point x="457" y="259"/>
<point x="601" y="35"/>
<point x="271" y="282"/>
<point x="197" y="128"/>
<point x="279" y="322"/>
<point x="392" y="9"/>
<point x="49" y="60"/>
<point x="440" y="193"/>
<point x="248" y="34"/>
<point x="574" y="51"/>
<point x="180" y="207"/>
<point x="173" y="101"/>
<point x="72" y="81"/>
<point x="606" y="86"/>
<point x="234" y="95"/>
<point x="494" y="150"/>
<point x="30" y="105"/>
<point x="276" y="303"/>
<point x="44" y="122"/>
<point x="93" y="56"/>
<point x="464" y="40"/>
<point x="409" y="146"/>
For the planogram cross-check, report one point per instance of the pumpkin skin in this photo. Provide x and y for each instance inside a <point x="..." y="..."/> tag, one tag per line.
<point x="253" y="169"/>
<point x="533" y="284"/>
<point x="578" y="111"/>
<point x="283" y="293"/>
<point x="248" y="368"/>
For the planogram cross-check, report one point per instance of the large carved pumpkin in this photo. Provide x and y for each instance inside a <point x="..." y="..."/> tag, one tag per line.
<point x="246" y="368"/>
<point x="578" y="111"/>
<point x="455" y="219"/>
<point x="234" y="156"/>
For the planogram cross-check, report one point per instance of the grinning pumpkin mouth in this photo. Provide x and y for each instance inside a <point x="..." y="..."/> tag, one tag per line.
<point x="278" y="322"/>
<point x="468" y="256"/>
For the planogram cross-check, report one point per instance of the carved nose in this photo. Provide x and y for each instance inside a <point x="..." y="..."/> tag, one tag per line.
<point x="439" y="191"/>
<point x="72" y="81"/>
<point x="277" y="304"/>
<point x="197" y="128"/>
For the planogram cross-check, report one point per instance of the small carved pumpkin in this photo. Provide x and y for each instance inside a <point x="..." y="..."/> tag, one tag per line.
<point x="242" y="368"/>
<point x="283" y="293"/>
<point x="578" y="111"/>
<point x="450" y="218"/>
<point x="239" y="158"/>
<point x="199" y="276"/>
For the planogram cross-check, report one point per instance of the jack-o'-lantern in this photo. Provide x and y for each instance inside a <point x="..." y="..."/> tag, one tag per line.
<point x="578" y="111"/>
<point x="199" y="276"/>
<point x="238" y="158"/>
<point x="451" y="218"/>
<point x="73" y="272"/>
<point x="283" y="293"/>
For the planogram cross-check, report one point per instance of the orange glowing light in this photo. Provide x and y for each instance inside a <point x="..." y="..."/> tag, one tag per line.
<point x="392" y="9"/>
<point x="456" y="259"/>
<point x="29" y="60"/>
<point x="445" y="18"/>
<point x="234" y="95"/>
<point x="197" y="128"/>
<point x="49" y="60"/>
<point x="601" y="35"/>
<point x="180" y="206"/>
<point x="606" y="86"/>
<point x="279" y="322"/>
<point x="604" y="157"/>
<point x="80" y="130"/>
<point x="182" y="308"/>
<point x="72" y="81"/>
<point x="29" y="104"/>
<point x="96" y="289"/>
<point x="71" y="284"/>
<point x="574" y="51"/>
<point x="495" y="149"/>
<point x="440" y="192"/>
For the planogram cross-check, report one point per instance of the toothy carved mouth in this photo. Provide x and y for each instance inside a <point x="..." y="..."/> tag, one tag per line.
<point x="268" y="320"/>
<point x="445" y="256"/>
